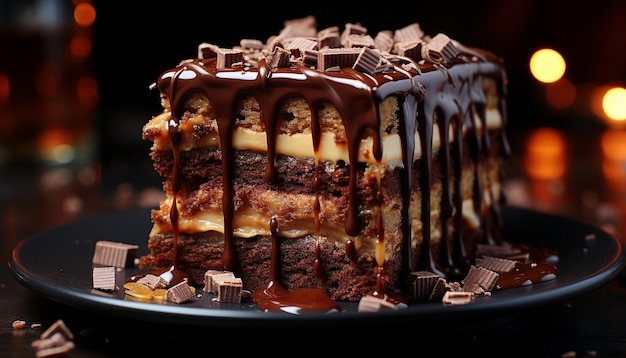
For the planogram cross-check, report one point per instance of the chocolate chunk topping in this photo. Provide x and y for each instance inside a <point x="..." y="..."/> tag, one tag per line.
<point x="340" y="57"/>
<point x="457" y="298"/>
<point x="329" y="37"/>
<point x="368" y="60"/>
<point x="229" y="290"/>
<point x="58" y="326"/>
<point x="152" y="281"/>
<point x="227" y="58"/>
<point x="421" y="284"/>
<point x="410" y="48"/>
<point x="496" y="264"/>
<point x="179" y="293"/>
<point x="384" y="40"/>
<point x="104" y="278"/>
<point x="409" y="32"/>
<point x="117" y="254"/>
<point x="439" y="49"/>
<point x="207" y="51"/>
<point x="479" y="279"/>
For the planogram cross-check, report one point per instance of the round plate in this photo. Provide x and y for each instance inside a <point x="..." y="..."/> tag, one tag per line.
<point x="56" y="264"/>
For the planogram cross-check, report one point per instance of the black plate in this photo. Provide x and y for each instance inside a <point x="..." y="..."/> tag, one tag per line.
<point x="56" y="264"/>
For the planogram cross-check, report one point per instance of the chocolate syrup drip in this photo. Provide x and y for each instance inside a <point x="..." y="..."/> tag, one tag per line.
<point x="450" y="93"/>
<point x="527" y="274"/>
<point x="274" y="297"/>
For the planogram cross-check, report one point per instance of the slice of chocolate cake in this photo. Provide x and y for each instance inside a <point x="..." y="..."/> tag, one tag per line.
<point x="332" y="159"/>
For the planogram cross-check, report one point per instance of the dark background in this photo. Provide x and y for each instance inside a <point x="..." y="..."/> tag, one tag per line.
<point x="135" y="41"/>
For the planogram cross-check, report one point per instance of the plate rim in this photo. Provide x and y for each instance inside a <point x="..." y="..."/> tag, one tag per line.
<point x="502" y="304"/>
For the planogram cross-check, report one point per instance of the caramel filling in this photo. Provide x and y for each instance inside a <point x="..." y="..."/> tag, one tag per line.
<point x="300" y="145"/>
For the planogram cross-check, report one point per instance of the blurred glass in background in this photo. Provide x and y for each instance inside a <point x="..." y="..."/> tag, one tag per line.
<point x="48" y="92"/>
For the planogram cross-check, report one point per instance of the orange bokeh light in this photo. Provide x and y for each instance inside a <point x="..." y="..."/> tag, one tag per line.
<point x="80" y="46"/>
<point x="545" y="154"/>
<point x="84" y="14"/>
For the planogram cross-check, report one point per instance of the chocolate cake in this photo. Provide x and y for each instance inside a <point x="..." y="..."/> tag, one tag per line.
<point x="335" y="159"/>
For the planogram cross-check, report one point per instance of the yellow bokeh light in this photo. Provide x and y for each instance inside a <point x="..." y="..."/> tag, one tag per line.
<point x="547" y="65"/>
<point x="614" y="103"/>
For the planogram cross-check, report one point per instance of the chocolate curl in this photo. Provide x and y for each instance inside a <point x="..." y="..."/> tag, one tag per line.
<point x="440" y="49"/>
<point x="226" y="58"/>
<point x="368" y="60"/>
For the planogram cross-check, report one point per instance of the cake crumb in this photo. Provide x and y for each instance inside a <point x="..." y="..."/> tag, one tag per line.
<point x="18" y="324"/>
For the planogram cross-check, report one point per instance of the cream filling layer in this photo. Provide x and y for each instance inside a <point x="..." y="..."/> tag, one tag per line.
<point x="301" y="145"/>
<point x="249" y="222"/>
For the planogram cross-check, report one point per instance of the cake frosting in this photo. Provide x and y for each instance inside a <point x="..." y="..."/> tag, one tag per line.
<point x="335" y="160"/>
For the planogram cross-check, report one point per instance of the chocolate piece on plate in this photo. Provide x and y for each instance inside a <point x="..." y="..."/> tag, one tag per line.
<point x="117" y="254"/>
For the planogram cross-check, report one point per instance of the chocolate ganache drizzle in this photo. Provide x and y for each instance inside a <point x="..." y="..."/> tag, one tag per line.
<point x="445" y="95"/>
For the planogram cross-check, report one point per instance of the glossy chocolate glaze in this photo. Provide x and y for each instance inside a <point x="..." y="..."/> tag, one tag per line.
<point x="429" y="95"/>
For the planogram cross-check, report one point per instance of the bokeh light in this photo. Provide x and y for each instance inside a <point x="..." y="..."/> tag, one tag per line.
<point x="547" y="65"/>
<point x="84" y="14"/>
<point x="614" y="103"/>
<point x="545" y="154"/>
